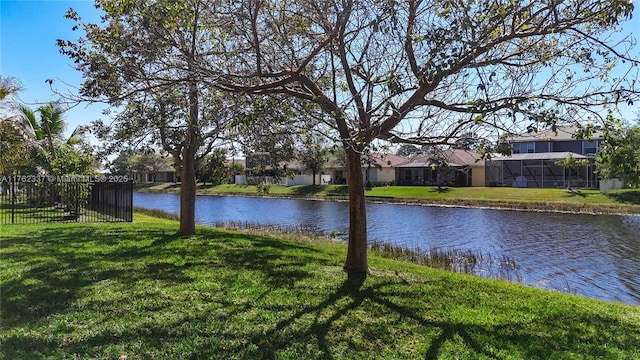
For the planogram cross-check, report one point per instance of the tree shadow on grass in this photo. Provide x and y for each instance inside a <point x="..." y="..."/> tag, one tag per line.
<point x="440" y="190"/>
<point x="65" y="262"/>
<point x="281" y="263"/>
<point x="346" y="318"/>
<point x="341" y="190"/>
<point x="575" y="192"/>
<point x="205" y="186"/>
<point x="69" y="264"/>
<point x="625" y="197"/>
<point x="308" y="190"/>
<point x="435" y="333"/>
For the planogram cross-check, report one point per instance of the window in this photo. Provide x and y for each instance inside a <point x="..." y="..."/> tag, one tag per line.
<point x="524" y="148"/>
<point x="590" y="147"/>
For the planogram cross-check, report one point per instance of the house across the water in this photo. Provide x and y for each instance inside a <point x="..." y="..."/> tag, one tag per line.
<point x="535" y="158"/>
<point x="453" y="167"/>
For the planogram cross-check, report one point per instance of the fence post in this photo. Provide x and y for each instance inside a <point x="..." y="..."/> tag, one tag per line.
<point x="13" y="200"/>
<point x="75" y="197"/>
<point x="116" y="196"/>
<point x="130" y="190"/>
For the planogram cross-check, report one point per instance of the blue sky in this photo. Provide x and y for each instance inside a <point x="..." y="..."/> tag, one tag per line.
<point x="28" y="51"/>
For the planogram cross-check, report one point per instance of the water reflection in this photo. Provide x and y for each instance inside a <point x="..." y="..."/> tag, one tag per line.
<point x="591" y="255"/>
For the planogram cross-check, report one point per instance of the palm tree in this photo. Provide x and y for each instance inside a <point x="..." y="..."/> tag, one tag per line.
<point x="29" y="124"/>
<point x="51" y="124"/>
<point x="9" y="86"/>
<point x="572" y="163"/>
<point x="49" y="128"/>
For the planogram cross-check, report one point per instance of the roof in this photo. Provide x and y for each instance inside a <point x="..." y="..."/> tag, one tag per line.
<point x="562" y="133"/>
<point x="540" y="156"/>
<point x="239" y="161"/>
<point x="388" y="160"/>
<point x="464" y="157"/>
<point x="453" y="157"/>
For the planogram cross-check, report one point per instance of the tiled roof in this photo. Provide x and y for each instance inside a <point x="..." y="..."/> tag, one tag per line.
<point x="453" y="157"/>
<point x="388" y="160"/>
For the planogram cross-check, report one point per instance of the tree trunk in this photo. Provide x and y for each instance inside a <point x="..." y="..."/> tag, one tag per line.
<point x="356" y="262"/>
<point x="188" y="170"/>
<point x="314" y="178"/>
<point x="187" y="193"/>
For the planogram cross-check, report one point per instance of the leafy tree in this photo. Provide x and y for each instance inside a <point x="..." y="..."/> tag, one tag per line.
<point x="213" y="168"/>
<point x="13" y="149"/>
<point x="70" y="161"/>
<point x="144" y="59"/>
<point x="270" y="131"/>
<point x="234" y="168"/>
<point x="313" y="156"/>
<point x="47" y="152"/>
<point x="467" y="141"/>
<point x="13" y="152"/>
<point x="139" y="161"/>
<point x="619" y="153"/>
<point x="122" y="164"/>
<point x="426" y="71"/>
<point x="407" y="150"/>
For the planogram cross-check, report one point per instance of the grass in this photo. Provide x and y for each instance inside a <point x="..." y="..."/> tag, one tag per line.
<point x="588" y="201"/>
<point x="138" y="290"/>
<point x="32" y="214"/>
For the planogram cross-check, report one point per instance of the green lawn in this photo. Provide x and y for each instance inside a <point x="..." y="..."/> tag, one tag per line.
<point x="101" y="291"/>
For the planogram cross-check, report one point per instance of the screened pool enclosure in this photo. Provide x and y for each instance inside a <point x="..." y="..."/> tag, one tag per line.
<point x="539" y="170"/>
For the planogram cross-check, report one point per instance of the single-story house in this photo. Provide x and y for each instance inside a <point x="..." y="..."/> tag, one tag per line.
<point x="377" y="169"/>
<point x="258" y="168"/>
<point x="164" y="174"/>
<point x="381" y="168"/>
<point x="454" y="167"/>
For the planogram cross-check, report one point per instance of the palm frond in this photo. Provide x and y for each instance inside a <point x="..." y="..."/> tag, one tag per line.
<point x="29" y="124"/>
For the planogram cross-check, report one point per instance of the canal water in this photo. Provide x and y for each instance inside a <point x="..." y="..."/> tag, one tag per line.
<point x="596" y="256"/>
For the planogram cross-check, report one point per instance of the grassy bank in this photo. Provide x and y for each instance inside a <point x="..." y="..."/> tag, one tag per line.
<point x="140" y="291"/>
<point x="589" y="201"/>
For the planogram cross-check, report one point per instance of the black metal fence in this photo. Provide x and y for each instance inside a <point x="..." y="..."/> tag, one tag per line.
<point x="29" y="199"/>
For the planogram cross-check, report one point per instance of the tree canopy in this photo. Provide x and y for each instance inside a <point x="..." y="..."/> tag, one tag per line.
<point x="143" y="59"/>
<point x="619" y="152"/>
<point x="412" y="71"/>
<point x="428" y="71"/>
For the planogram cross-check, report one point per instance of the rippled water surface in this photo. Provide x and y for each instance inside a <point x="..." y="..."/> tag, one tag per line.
<point x="591" y="255"/>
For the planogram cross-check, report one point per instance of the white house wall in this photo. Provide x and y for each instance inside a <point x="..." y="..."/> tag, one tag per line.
<point x="384" y="175"/>
<point x="308" y="180"/>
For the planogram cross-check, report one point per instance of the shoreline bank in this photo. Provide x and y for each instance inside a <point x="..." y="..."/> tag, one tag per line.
<point x="586" y="208"/>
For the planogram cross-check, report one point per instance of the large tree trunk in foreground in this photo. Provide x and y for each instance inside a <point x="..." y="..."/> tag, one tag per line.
<point x="357" y="251"/>
<point x="187" y="194"/>
<point x="188" y="170"/>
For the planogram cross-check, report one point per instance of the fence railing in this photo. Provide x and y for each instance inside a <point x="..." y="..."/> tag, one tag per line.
<point x="31" y="199"/>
